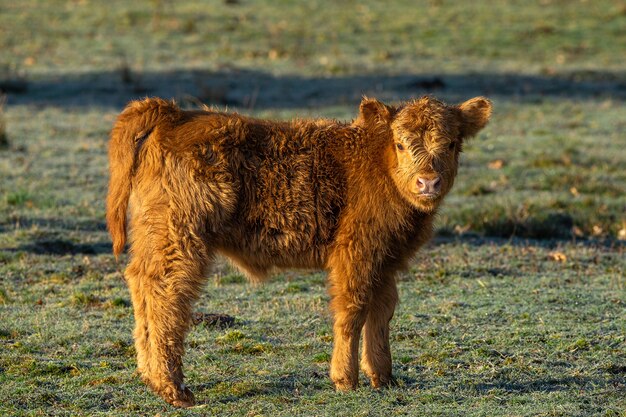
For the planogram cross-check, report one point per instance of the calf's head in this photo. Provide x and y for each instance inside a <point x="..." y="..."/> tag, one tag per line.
<point x="423" y="140"/>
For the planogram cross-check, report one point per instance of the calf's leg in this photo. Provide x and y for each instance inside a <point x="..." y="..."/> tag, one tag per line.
<point x="349" y="307"/>
<point x="165" y="277"/>
<point x="376" y="356"/>
<point x="134" y="277"/>
<point x="169" y="302"/>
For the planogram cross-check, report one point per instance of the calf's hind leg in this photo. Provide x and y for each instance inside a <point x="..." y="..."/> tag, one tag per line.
<point x="169" y="303"/>
<point x="134" y="277"/>
<point x="164" y="283"/>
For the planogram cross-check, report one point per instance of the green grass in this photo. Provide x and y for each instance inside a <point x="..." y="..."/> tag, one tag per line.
<point x="518" y="309"/>
<point x="487" y="328"/>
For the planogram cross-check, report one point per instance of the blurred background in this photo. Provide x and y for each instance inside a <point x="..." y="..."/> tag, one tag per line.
<point x="552" y="163"/>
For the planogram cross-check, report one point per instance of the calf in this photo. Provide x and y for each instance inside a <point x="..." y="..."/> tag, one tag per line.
<point x="356" y="199"/>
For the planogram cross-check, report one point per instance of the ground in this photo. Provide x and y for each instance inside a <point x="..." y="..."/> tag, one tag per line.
<point x="516" y="308"/>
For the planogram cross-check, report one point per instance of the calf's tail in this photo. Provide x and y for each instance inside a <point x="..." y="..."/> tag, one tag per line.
<point x="133" y="126"/>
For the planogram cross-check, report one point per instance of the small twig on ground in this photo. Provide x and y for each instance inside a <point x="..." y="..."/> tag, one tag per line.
<point x="221" y="321"/>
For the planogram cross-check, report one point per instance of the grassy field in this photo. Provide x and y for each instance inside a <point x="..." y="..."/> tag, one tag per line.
<point x="518" y="308"/>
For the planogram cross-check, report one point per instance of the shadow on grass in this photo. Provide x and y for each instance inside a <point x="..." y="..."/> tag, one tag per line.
<point x="48" y="238"/>
<point x="548" y="243"/>
<point x="514" y="387"/>
<point x="53" y="223"/>
<point x="56" y="236"/>
<point x="540" y="385"/>
<point x="232" y="391"/>
<point x="288" y="384"/>
<point x="62" y="247"/>
<point x="252" y="89"/>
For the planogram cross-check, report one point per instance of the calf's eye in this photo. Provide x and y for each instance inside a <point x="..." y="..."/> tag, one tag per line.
<point x="452" y="145"/>
<point x="400" y="146"/>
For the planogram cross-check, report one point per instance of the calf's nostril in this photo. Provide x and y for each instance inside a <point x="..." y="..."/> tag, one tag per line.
<point x="436" y="184"/>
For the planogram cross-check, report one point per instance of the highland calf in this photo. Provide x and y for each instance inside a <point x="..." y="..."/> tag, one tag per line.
<point x="356" y="199"/>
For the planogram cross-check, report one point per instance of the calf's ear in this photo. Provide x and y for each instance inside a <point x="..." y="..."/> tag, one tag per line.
<point x="373" y="111"/>
<point x="475" y="114"/>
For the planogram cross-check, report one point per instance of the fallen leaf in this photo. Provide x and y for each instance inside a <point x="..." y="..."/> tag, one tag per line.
<point x="549" y="70"/>
<point x="458" y="229"/>
<point x="496" y="164"/>
<point x="557" y="256"/>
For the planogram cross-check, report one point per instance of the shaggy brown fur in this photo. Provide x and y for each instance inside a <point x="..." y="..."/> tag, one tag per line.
<point x="356" y="199"/>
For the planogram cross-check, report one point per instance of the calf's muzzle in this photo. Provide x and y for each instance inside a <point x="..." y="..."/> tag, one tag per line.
<point x="429" y="185"/>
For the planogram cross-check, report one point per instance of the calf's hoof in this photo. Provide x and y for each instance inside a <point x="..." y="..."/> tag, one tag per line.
<point x="380" y="381"/>
<point x="345" y="385"/>
<point x="178" y="397"/>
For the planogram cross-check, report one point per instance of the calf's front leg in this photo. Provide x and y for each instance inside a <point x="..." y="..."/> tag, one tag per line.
<point x="376" y="357"/>
<point x="349" y="307"/>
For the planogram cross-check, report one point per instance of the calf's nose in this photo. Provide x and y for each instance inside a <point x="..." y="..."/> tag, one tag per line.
<point x="429" y="185"/>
